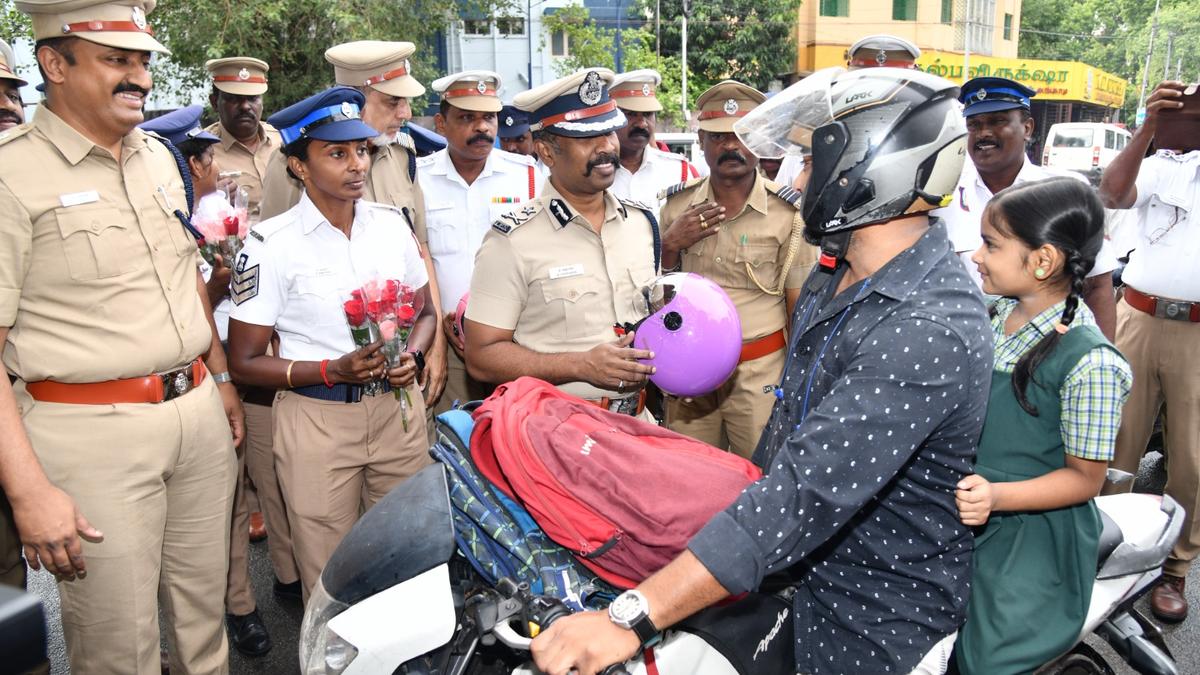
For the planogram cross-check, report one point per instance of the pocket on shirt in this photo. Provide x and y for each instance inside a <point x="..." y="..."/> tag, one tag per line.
<point x="576" y="301"/>
<point x="446" y="232"/>
<point x="321" y="300"/>
<point x="181" y="238"/>
<point x="98" y="242"/>
<point x="761" y="259"/>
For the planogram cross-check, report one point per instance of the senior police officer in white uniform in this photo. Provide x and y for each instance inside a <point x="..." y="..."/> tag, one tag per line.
<point x="467" y="185"/>
<point x="553" y="277"/>
<point x="645" y="170"/>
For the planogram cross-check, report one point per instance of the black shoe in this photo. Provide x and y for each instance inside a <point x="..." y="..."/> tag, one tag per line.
<point x="248" y="633"/>
<point x="290" y="591"/>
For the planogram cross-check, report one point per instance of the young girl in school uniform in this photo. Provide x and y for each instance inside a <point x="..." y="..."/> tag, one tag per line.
<point x="1057" y="390"/>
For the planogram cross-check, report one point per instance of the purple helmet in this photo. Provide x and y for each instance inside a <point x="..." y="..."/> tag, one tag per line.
<point x="694" y="331"/>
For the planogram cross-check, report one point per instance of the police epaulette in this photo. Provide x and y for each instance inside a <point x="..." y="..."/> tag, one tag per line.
<point x="786" y="193"/>
<point x="679" y="187"/>
<point x="257" y="236"/>
<point x="635" y="204"/>
<point x="507" y="222"/>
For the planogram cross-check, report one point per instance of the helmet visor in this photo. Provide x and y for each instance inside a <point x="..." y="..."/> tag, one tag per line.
<point x="658" y="294"/>
<point x="784" y="124"/>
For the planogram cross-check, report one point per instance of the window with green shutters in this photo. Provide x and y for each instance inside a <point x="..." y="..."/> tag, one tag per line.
<point x="835" y="7"/>
<point x="1008" y="26"/>
<point x="904" y="10"/>
<point x="947" y="11"/>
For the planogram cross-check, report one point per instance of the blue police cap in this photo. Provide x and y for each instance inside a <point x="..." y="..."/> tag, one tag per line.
<point x="333" y="115"/>
<point x="993" y="94"/>
<point x="180" y="125"/>
<point x="513" y="122"/>
<point x="575" y="106"/>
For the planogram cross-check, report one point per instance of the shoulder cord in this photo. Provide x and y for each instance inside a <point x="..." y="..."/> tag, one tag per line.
<point x="794" y="243"/>
<point x="188" y="188"/>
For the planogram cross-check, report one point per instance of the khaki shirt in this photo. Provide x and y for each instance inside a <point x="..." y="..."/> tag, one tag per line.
<point x="754" y="240"/>
<point x="233" y="156"/>
<point x="97" y="276"/>
<point x="387" y="183"/>
<point x="544" y="273"/>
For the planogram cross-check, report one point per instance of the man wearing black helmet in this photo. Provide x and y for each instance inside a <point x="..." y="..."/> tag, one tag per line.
<point x="880" y="409"/>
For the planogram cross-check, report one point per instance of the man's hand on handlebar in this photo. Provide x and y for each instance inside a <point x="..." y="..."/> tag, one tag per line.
<point x="586" y="643"/>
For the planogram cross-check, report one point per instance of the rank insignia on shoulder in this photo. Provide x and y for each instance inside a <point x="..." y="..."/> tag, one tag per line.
<point x="501" y="227"/>
<point x="789" y="195"/>
<point x="244" y="284"/>
<point x="679" y="187"/>
<point x="515" y="217"/>
<point x="257" y="236"/>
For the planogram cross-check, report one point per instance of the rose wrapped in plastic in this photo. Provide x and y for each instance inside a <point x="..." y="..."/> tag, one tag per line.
<point x="363" y="330"/>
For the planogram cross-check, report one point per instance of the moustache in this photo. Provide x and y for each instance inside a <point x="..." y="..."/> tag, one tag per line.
<point x="638" y="131"/>
<point x="481" y="137"/>
<point x="732" y="154"/>
<point x="8" y="115"/>
<point x="129" y="86"/>
<point x="601" y="160"/>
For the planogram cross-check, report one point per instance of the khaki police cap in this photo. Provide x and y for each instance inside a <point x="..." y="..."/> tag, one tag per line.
<point x="239" y="75"/>
<point x="576" y="106"/>
<point x="8" y="65"/>
<point x="380" y="65"/>
<point x="637" y="91"/>
<point x="724" y="102"/>
<point x="876" y="51"/>
<point x="477" y="90"/>
<point x="113" y="23"/>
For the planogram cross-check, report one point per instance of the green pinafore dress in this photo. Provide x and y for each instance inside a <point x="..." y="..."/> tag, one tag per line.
<point x="1033" y="571"/>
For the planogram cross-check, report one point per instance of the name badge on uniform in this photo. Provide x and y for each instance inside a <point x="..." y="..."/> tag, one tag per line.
<point x="566" y="271"/>
<point x="77" y="198"/>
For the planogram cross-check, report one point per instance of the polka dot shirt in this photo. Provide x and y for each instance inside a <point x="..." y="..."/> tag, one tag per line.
<point x="883" y="401"/>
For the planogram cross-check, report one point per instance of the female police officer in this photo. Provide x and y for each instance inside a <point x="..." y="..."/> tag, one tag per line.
<point x="338" y="449"/>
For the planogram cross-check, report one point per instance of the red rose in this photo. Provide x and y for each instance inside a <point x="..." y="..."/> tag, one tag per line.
<point x="374" y="310"/>
<point x="231" y="226"/>
<point x="356" y="313"/>
<point x="391" y="292"/>
<point x="405" y="313"/>
<point x="357" y="294"/>
<point x="407" y="295"/>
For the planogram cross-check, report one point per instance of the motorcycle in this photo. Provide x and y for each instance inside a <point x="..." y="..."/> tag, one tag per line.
<point x="395" y="597"/>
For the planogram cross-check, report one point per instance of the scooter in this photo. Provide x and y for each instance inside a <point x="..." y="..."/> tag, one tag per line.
<point x="396" y="598"/>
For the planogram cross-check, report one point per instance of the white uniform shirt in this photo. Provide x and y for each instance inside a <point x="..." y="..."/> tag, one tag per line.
<point x="659" y="171"/>
<point x="457" y="215"/>
<point x="1167" y="222"/>
<point x="964" y="215"/>
<point x="221" y="311"/>
<point x="306" y="270"/>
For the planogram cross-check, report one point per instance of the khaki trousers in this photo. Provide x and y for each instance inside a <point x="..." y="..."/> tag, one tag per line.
<point x="1164" y="355"/>
<point x="259" y="461"/>
<point x="460" y="386"/>
<point x="737" y="411"/>
<point x="157" y="480"/>
<point x="335" y="460"/>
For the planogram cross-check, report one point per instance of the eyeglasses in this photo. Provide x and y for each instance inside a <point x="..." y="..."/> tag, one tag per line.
<point x="1161" y="232"/>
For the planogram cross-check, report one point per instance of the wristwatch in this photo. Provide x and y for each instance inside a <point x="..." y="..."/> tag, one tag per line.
<point x="419" y="357"/>
<point x="631" y="611"/>
<point x="221" y="378"/>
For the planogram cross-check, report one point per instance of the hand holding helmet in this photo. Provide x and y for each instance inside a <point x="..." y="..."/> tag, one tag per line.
<point x="615" y="366"/>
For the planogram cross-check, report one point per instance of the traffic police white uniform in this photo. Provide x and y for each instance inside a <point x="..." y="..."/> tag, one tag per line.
<point x="635" y="91"/>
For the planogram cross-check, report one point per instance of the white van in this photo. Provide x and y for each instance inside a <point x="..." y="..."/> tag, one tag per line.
<point x="685" y="143"/>
<point x="1086" y="147"/>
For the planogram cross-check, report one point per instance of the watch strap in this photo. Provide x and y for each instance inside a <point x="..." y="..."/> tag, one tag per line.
<point x="645" y="630"/>
<point x="222" y="378"/>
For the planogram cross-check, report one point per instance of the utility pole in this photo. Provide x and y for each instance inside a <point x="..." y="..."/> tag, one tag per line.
<point x="1167" y="60"/>
<point x="683" y="100"/>
<point x="1141" y="106"/>
<point x="658" y="35"/>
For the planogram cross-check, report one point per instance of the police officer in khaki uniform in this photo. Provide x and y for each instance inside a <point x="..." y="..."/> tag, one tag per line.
<point x="12" y="112"/>
<point x="247" y="143"/>
<point x="382" y="71"/>
<point x="745" y="233"/>
<point x="553" y="277"/>
<point x="104" y="319"/>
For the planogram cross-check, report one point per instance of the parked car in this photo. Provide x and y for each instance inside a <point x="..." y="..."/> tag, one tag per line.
<point x="1086" y="147"/>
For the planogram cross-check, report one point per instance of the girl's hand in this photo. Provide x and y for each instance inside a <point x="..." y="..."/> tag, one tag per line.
<point x="975" y="499"/>
<point x="403" y="374"/>
<point x="359" y="366"/>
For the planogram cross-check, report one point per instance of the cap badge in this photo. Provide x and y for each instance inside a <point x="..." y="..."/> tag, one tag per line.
<point x="591" y="89"/>
<point x="981" y="94"/>
<point x="508" y="121"/>
<point x="646" y="89"/>
<point x="731" y="107"/>
<point x="481" y="87"/>
<point x="347" y="109"/>
<point x="244" y="74"/>
<point x="139" y="18"/>
<point x="881" y="57"/>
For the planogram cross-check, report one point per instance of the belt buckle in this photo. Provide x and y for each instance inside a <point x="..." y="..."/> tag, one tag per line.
<point x="176" y="384"/>
<point x="1169" y="309"/>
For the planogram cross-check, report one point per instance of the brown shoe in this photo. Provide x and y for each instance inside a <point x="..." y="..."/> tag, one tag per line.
<point x="1167" y="600"/>
<point x="258" y="527"/>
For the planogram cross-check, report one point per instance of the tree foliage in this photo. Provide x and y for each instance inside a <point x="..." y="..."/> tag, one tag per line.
<point x="1115" y="35"/>
<point x="290" y="35"/>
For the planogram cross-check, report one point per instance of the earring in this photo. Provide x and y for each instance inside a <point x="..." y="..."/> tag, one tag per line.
<point x="1040" y="273"/>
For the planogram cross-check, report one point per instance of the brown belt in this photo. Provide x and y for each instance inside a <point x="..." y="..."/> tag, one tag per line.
<point x="1163" y="308"/>
<point x="607" y="402"/>
<point x="756" y="349"/>
<point x="149" y="389"/>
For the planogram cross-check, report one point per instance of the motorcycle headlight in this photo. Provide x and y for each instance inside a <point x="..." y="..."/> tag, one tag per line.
<point x="322" y="651"/>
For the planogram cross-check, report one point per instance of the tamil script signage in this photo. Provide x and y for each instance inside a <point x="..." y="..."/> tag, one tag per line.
<point x="1053" y="80"/>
